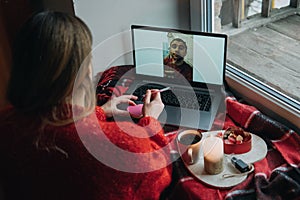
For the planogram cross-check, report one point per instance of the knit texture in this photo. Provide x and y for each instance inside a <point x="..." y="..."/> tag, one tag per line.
<point x="78" y="161"/>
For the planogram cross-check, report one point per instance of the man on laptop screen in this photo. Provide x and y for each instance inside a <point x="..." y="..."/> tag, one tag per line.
<point x="175" y="60"/>
<point x="191" y="63"/>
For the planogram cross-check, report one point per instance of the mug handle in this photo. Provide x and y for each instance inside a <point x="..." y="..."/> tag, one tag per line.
<point x="190" y="154"/>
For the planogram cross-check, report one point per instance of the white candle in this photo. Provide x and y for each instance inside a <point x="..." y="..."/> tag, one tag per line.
<point x="213" y="155"/>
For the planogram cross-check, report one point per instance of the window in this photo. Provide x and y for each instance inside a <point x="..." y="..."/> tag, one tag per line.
<point x="263" y="52"/>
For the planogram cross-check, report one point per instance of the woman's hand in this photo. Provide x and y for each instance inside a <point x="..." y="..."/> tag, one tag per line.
<point x="153" y="104"/>
<point x="110" y="108"/>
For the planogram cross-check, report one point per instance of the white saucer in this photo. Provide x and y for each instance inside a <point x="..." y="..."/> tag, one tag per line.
<point x="257" y="152"/>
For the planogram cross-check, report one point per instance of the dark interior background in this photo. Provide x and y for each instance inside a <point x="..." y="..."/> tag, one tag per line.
<point x="12" y="15"/>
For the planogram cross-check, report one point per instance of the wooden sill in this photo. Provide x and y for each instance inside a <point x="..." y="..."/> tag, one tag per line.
<point x="267" y="103"/>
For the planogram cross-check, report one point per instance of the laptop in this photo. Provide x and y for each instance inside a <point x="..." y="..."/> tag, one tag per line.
<point x="192" y="64"/>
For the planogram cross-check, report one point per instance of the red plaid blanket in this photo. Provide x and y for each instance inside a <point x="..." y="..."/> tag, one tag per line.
<point x="277" y="176"/>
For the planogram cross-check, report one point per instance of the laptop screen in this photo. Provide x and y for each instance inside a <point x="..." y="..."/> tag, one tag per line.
<point x="165" y="53"/>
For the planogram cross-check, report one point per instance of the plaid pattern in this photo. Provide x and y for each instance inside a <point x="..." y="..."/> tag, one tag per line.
<point x="277" y="176"/>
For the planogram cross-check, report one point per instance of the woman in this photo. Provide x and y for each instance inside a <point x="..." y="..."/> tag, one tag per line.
<point x="55" y="143"/>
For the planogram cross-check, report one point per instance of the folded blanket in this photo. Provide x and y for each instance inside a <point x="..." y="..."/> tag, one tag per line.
<point x="113" y="81"/>
<point x="277" y="176"/>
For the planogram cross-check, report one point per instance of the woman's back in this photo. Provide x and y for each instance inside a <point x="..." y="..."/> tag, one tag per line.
<point x="61" y="163"/>
<point x="54" y="142"/>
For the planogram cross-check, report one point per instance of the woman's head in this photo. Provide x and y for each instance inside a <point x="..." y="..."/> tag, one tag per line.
<point x="48" y="53"/>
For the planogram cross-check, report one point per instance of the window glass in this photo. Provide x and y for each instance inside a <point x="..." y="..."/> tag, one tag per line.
<point x="266" y="48"/>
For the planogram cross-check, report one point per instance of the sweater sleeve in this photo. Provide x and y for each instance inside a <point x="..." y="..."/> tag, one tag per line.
<point x="153" y="127"/>
<point x="100" y="113"/>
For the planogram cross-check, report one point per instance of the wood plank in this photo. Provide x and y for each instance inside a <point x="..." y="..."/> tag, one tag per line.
<point x="289" y="26"/>
<point x="271" y="53"/>
<point x="266" y="8"/>
<point x="286" y="59"/>
<point x="237" y="7"/>
<point x="295" y="18"/>
<point x="257" y="20"/>
<point x="265" y="46"/>
<point x="284" y="42"/>
<point x="264" y="69"/>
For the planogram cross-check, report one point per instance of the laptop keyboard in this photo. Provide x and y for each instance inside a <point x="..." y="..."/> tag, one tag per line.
<point x="181" y="99"/>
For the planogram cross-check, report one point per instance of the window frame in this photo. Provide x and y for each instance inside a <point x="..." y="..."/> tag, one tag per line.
<point x="202" y="15"/>
<point x="271" y="102"/>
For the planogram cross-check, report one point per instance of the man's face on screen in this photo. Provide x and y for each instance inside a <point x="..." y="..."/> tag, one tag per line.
<point x="177" y="50"/>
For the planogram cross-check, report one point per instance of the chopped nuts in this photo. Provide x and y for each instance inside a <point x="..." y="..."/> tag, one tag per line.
<point x="239" y="138"/>
<point x="235" y="136"/>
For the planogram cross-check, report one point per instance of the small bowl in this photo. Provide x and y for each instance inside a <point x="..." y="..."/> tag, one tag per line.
<point x="237" y="141"/>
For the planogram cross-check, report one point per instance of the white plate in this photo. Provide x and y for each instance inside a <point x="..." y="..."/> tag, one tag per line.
<point x="258" y="151"/>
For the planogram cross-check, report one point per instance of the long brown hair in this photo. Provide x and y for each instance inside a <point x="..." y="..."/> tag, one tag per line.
<point x="49" y="52"/>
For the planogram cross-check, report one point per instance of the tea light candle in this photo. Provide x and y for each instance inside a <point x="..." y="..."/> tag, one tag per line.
<point x="213" y="155"/>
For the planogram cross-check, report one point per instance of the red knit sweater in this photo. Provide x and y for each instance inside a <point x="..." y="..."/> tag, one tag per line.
<point x="81" y="160"/>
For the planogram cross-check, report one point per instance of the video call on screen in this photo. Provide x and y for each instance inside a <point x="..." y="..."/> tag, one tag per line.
<point x="204" y="53"/>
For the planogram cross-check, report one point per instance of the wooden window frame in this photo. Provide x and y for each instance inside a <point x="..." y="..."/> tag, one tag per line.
<point x="271" y="102"/>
